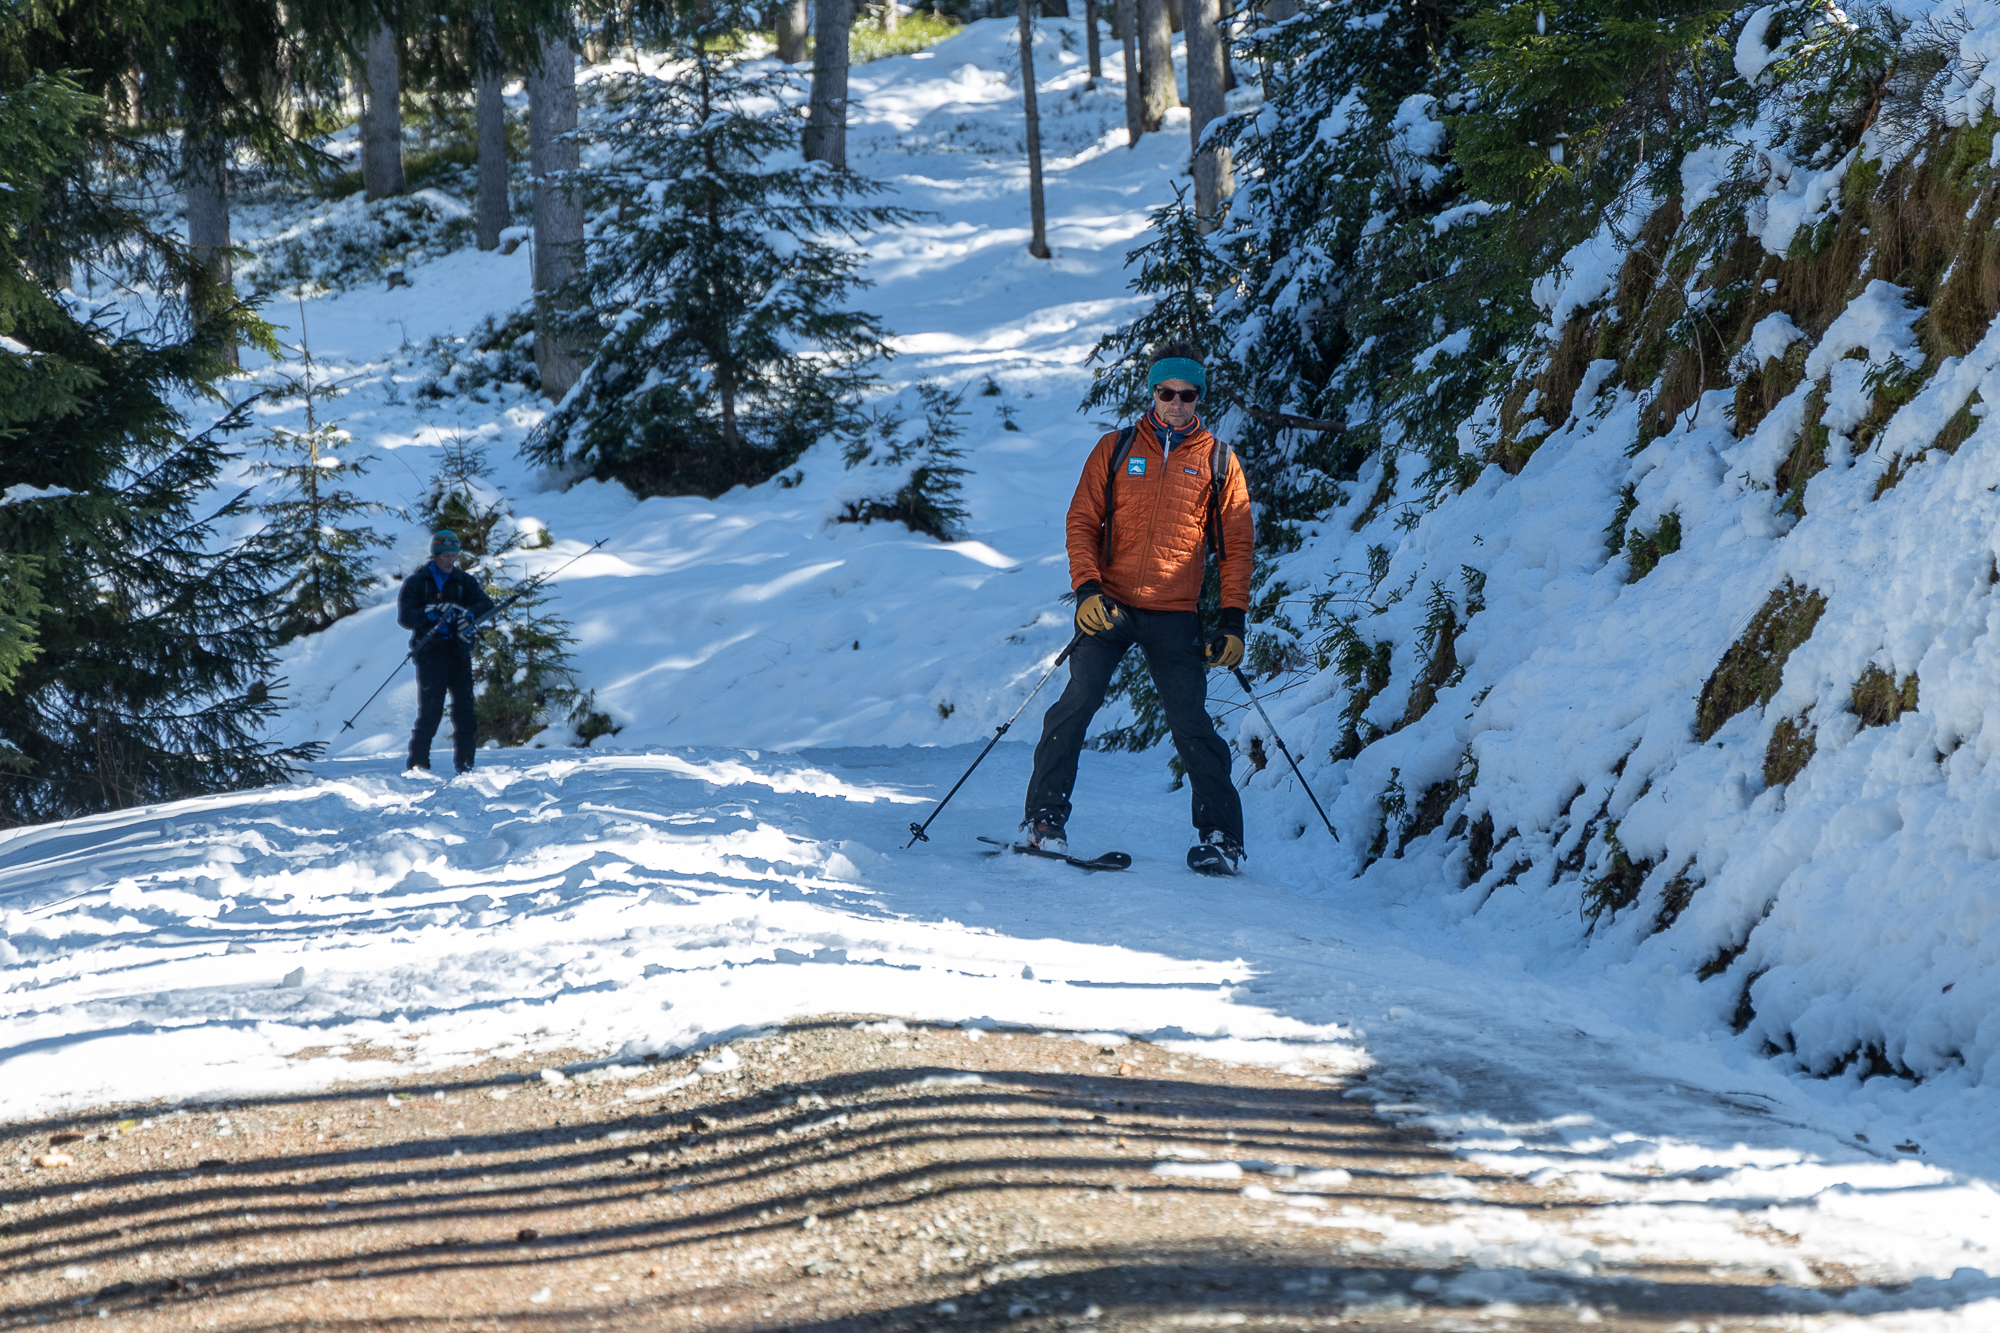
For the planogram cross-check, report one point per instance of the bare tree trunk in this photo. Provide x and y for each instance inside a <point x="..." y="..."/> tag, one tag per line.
<point x="280" y="75"/>
<point x="793" y="24"/>
<point x="133" y="85"/>
<point x="826" y="131"/>
<point x="891" y="15"/>
<point x="491" y="215"/>
<point x="382" y="118"/>
<point x="1158" y="93"/>
<point x="1228" y="27"/>
<point x="1176" y="18"/>
<point x="552" y="154"/>
<point x="1038" y="243"/>
<point x="1090" y="42"/>
<point x="1275" y="11"/>
<point x="1055" y="9"/>
<point x="206" y="175"/>
<point x="1135" y="103"/>
<point x="1206" y="61"/>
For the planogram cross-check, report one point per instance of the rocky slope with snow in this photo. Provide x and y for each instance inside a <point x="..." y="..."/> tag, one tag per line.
<point x="1694" y="677"/>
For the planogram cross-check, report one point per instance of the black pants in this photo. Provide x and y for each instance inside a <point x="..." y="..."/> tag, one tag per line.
<point x="442" y="667"/>
<point x="1174" y="656"/>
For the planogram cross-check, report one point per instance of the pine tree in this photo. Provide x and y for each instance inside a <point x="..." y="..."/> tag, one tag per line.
<point x="521" y="661"/>
<point x="1342" y="176"/>
<point x="710" y="290"/>
<point x="463" y="498"/>
<point x="522" y="671"/>
<point x="330" y="563"/>
<point x="309" y="534"/>
<point x="929" y="490"/>
<point x="20" y="605"/>
<point x="153" y="672"/>
<point x="1183" y="273"/>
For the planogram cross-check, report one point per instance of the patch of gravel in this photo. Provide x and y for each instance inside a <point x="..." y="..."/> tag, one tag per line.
<point x="842" y="1171"/>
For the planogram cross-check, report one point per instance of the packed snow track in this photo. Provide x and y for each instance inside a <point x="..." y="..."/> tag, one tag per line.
<point x="369" y="925"/>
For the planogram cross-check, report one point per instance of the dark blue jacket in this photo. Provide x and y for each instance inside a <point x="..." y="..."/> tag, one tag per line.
<point x="421" y="590"/>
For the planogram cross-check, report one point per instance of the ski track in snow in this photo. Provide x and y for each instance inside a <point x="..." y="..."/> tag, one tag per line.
<point x="794" y="692"/>
<point x="628" y="903"/>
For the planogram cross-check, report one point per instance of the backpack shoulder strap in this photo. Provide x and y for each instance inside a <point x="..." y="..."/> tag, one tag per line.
<point x="1218" y="475"/>
<point x="1118" y="453"/>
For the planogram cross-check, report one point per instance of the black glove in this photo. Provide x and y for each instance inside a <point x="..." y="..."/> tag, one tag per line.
<point x="1225" y="647"/>
<point x="446" y="616"/>
<point x="1095" y="613"/>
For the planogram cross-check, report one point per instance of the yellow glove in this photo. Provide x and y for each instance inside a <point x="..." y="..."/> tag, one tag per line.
<point x="1095" y="613"/>
<point x="1224" y="650"/>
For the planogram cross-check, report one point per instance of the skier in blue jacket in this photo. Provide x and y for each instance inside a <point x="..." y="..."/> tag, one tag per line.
<point x="438" y="605"/>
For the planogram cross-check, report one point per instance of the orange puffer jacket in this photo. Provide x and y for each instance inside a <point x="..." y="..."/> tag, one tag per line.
<point x="1159" y="514"/>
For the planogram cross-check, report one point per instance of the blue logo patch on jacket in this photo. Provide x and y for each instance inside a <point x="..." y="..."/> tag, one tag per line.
<point x="1192" y="471"/>
<point x="1135" y="467"/>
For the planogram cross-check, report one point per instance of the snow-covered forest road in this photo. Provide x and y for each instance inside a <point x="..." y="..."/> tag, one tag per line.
<point x="793" y="692"/>
<point x="640" y="904"/>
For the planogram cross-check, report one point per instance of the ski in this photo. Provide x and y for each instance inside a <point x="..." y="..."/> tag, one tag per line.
<point x="1206" y="860"/>
<point x="1108" y="861"/>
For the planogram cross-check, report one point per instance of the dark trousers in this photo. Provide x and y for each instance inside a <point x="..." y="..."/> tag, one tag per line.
<point x="444" y="667"/>
<point x="1174" y="656"/>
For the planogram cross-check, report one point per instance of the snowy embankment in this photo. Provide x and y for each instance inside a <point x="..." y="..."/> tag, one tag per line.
<point x="1700" y="695"/>
<point x="691" y="884"/>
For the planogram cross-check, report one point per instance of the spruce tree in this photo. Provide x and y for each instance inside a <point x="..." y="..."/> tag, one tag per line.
<point x="310" y="536"/>
<point x="929" y="487"/>
<point x="1342" y="177"/>
<point x="1183" y="273"/>
<point x="710" y="289"/>
<point x="462" y="497"/>
<point x="152" y="676"/>
<point x="521" y="671"/>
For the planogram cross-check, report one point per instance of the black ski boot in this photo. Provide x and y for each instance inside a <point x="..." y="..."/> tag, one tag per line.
<point x="1216" y="853"/>
<point x="1045" y="833"/>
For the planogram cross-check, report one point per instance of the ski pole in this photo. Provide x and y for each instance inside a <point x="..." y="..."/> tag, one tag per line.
<point x="348" y="725"/>
<point x="917" y="830"/>
<point x="1244" y="681"/>
<point x="530" y="586"/>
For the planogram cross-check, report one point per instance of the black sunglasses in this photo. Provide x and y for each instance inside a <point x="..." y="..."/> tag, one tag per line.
<point x="1185" y="395"/>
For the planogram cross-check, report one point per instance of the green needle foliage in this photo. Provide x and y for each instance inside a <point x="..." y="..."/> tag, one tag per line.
<point x="328" y="561"/>
<point x="135" y="638"/>
<point x="930" y="489"/>
<point x="521" y="670"/>
<point x="522" y="673"/>
<point x="710" y="287"/>
<point x="1184" y="273"/>
<point x="1577" y="99"/>
<point x="1332" y="242"/>
<point x="462" y="497"/>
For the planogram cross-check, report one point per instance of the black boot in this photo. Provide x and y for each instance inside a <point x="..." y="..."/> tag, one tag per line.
<point x="1045" y="831"/>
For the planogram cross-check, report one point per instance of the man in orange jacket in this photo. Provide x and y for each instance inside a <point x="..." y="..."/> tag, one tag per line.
<point x="1153" y="500"/>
